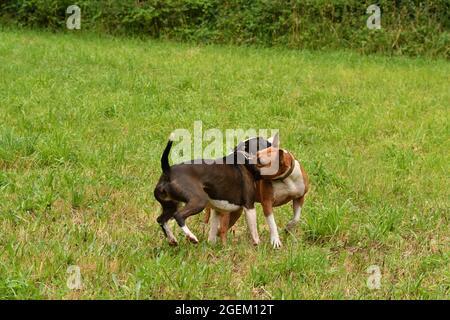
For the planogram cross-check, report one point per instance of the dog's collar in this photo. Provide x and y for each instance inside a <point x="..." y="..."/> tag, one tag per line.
<point x="289" y="171"/>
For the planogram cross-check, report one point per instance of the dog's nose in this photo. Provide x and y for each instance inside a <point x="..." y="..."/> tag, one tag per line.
<point x="258" y="160"/>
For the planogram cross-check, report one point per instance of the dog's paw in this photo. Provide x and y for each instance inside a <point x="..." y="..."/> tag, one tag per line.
<point x="290" y="226"/>
<point x="276" y="243"/>
<point x="212" y="240"/>
<point x="173" y="242"/>
<point x="192" y="238"/>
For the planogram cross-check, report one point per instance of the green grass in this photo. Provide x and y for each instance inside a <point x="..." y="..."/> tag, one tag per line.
<point x="84" y="119"/>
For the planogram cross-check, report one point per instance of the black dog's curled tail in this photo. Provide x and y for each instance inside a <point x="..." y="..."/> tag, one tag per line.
<point x="165" y="166"/>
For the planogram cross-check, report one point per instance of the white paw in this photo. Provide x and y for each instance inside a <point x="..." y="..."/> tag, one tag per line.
<point x="192" y="238"/>
<point x="276" y="243"/>
<point x="173" y="242"/>
<point x="212" y="239"/>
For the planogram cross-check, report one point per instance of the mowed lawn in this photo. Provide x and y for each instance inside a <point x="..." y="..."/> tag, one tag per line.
<point x="84" y="120"/>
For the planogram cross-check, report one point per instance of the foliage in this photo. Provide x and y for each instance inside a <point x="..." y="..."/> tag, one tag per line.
<point x="409" y="27"/>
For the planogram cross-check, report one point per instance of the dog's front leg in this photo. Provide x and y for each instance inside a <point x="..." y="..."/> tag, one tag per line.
<point x="266" y="196"/>
<point x="274" y="237"/>
<point x="268" y="213"/>
<point x="213" y="226"/>
<point x="250" y="214"/>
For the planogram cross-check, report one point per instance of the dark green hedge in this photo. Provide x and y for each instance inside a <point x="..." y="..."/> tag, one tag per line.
<point x="408" y="27"/>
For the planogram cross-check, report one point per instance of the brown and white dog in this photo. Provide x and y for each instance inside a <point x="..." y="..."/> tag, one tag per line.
<point x="289" y="183"/>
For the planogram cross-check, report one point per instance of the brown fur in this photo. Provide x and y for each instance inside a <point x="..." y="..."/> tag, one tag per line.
<point x="264" y="193"/>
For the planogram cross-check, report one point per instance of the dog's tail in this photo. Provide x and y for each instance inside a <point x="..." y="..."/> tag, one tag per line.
<point x="165" y="166"/>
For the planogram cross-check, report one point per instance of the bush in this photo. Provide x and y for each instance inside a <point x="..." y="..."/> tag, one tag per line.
<point x="409" y="27"/>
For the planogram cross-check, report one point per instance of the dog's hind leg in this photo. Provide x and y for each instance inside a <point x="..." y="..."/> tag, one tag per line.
<point x="227" y="221"/>
<point x="234" y="216"/>
<point x="169" y="209"/>
<point x="297" y="205"/>
<point x="194" y="206"/>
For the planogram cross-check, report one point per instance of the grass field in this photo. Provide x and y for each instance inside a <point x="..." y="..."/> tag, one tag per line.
<point x="84" y="120"/>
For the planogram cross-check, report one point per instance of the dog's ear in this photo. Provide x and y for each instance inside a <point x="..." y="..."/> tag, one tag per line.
<point x="285" y="159"/>
<point x="275" y="140"/>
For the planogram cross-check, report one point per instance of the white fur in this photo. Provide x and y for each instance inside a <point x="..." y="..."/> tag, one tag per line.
<point x="265" y="161"/>
<point x="214" y="226"/>
<point x="297" y="214"/>
<point x="292" y="186"/>
<point x="188" y="233"/>
<point x="169" y="233"/>
<point x="274" y="237"/>
<point x="223" y="205"/>
<point x="250" y="214"/>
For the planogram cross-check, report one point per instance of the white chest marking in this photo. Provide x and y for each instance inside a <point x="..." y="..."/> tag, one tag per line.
<point x="292" y="186"/>
<point x="223" y="205"/>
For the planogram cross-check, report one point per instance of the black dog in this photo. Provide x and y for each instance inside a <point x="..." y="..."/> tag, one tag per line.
<point x="226" y="184"/>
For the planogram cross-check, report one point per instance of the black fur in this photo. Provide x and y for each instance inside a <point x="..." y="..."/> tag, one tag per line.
<point x="196" y="183"/>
